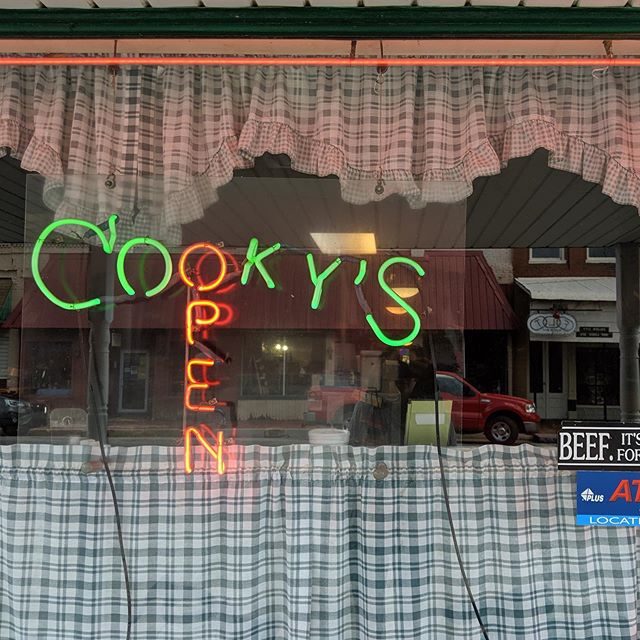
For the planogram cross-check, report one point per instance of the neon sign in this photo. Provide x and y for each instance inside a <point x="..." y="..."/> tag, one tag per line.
<point x="203" y="314"/>
<point x="400" y="301"/>
<point x="318" y="280"/>
<point x="108" y="244"/>
<point x="254" y="258"/>
<point x="168" y="267"/>
<point x="182" y="266"/>
<point x="214" y="451"/>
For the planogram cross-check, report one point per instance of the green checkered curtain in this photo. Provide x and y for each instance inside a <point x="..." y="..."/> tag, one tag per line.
<point x="306" y="543"/>
<point x="428" y="132"/>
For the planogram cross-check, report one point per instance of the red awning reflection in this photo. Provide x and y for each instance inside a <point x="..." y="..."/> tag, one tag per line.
<point x="459" y="291"/>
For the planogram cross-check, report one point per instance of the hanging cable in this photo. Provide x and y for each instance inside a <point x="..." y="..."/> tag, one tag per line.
<point x="381" y="69"/>
<point x="96" y="390"/>
<point x="110" y="183"/>
<point x="601" y="72"/>
<point x="445" y="491"/>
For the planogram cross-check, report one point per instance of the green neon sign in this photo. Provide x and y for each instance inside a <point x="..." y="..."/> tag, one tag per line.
<point x="168" y="266"/>
<point x="108" y="244"/>
<point x="318" y="279"/>
<point x="398" y="300"/>
<point x="254" y="259"/>
<point x="362" y="272"/>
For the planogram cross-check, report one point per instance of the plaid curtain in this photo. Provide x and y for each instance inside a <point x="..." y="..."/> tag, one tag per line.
<point x="427" y="132"/>
<point x="306" y="542"/>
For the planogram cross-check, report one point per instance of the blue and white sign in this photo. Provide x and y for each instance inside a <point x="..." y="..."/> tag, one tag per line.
<point x="608" y="499"/>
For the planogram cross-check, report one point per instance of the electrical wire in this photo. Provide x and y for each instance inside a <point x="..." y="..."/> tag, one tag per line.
<point x="445" y="492"/>
<point x="114" y="496"/>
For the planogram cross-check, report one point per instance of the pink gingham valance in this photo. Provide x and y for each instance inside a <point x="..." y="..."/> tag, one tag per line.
<point x="427" y="132"/>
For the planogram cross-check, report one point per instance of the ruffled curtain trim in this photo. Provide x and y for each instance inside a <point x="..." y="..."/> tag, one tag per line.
<point x="172" y="137"/>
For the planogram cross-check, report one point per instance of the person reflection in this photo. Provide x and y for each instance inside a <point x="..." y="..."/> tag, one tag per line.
<point x="415" y="379"/>
<point x="380" y="419"/>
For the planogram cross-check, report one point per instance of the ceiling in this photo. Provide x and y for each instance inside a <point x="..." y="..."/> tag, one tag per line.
<point x="527" y="205"/>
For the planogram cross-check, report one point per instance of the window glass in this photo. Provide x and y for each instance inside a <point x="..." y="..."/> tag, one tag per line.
<point x="267" y="322"/>
<point x="49" y="367"/>
<point x="535" y="367"/>
<point x="207" y="322"/>
<point x="598" y="370"/>
<point x="288" y="365"/>
<point x="134" y="381"/>
<point x="556" y="367"/>
<point x="546" y="254"/>
<point x="607" y="254"/>
<point x="450" y="386"/>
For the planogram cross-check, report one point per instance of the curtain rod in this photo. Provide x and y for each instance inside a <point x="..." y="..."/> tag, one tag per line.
<point x="100" y="61"/>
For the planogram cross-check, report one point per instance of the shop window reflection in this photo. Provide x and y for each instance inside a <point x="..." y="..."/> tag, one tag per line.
<point x="597" y="370"/>
<point x="275" y="365"/>
<point x="556" y="367"/>
<point x="49" y="365"/>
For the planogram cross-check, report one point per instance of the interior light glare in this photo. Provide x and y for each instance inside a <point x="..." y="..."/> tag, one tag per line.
<point x="406" y="292"/>
<point x="346" y="244"/>
<point x="396" y="311"/>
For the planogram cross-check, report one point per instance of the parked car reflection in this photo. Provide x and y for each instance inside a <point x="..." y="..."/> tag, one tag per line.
<point x="17" y="416"/>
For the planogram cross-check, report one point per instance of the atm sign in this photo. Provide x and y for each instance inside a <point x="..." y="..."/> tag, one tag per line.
<point x="609" y="499"/>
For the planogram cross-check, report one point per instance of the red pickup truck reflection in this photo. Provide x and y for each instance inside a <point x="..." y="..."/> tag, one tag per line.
<point x="501" y="417"/>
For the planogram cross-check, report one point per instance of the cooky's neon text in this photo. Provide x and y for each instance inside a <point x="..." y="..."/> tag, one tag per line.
<point x="202" y="313"/>
<point x="255" y="259"/>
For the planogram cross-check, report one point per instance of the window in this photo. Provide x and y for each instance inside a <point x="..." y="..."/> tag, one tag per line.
<point x="597" y="374"/>
<point x="546" y="254"/>
<point x="49" y="365"/>
<point x="454" y="387"/>
<point x="556" y="368"/>
<point x="287" y="365"/>
<point x="601" y="254"/>
<point x="134" y="381"/>
<point x="536" y="373"/>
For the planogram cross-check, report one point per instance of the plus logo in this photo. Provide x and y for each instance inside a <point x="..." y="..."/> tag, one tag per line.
<point x="588" y="496"/>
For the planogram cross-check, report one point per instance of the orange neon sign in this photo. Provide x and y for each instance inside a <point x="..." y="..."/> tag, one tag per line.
<point x="201" y="315"/>
<point x="201" y="286"/>
<point x="215" y="452"/>
<point x="199" y="385"/>
<point x="197" y="306"/>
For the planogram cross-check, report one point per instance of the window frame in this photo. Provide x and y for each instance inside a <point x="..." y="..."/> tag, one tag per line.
<point x="466" y="390"/>
<point x="561" y="260"/>
<point x="599" y="260"/>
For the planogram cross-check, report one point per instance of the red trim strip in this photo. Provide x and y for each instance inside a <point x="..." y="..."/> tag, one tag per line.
<point x="98" y="61"/>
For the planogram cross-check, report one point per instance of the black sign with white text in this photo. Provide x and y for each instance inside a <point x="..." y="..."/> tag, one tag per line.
<point x="594" y="332"/>
<point x="599" y="446"/>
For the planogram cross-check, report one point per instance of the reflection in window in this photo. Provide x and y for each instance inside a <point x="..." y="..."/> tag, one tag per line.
<point x="450" y="386"/>
<point x="455" y="387"/>
<point x="597" y="371"/>
<point x="601" y="254"/>
<point x="535" y="367"/>
<point x="50" y="368"/>
<point x="284" y="365"/>
<point x="556" y="368"/>
<point x="546" y="254"/>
